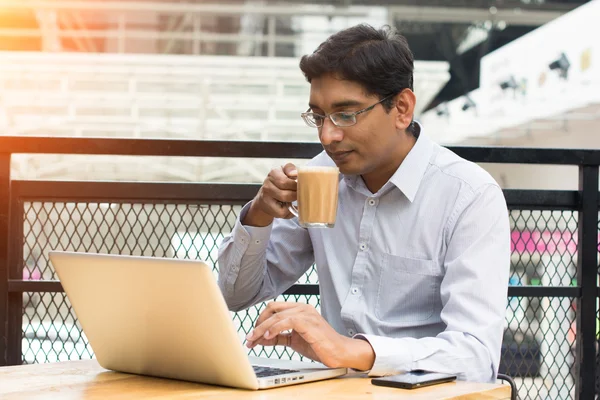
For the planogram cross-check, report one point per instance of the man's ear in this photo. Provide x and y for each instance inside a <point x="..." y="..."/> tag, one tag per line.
<point x="405" y="103"/>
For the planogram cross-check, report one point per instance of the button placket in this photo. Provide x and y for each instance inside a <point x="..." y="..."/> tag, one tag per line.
<point x="352" y="307"/>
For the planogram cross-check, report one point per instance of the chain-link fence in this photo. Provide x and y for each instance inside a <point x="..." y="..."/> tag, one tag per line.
<point x="50" y="329"/>
<point x="539" y="341"/>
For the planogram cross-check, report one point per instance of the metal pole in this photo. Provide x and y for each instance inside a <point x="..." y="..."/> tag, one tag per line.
<point x="14" y="337"/>
<point x="4" y="237"/>
<point x="587" y="266"/>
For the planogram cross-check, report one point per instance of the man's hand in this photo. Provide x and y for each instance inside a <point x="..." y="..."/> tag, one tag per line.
<point x="273" y="198"/>
<point x="302" y="328"/>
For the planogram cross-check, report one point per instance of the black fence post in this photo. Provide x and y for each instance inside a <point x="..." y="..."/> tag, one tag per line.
<point x="587" y="266"/>
<point x="4" y="237"/>
<point x="14" y="316"/>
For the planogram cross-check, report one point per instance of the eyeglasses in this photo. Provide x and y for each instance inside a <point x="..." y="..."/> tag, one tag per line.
<point x="340" y="118"/>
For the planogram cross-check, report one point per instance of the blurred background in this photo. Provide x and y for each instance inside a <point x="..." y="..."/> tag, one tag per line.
<point x="520" y="73"/>
<point x="490" y="72"/>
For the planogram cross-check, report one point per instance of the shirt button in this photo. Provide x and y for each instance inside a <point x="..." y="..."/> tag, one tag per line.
<point x="351" y="332"/>
<point x="372" y="202"/>
<point x="257" y="241"/>
<point x="354" y="290"/>
<point x="363" y="246"/>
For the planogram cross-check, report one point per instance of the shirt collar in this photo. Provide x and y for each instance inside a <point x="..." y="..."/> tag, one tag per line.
<point x="410" y="173"/>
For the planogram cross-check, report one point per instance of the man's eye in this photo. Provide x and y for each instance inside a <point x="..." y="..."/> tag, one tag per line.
<point x="345" y="116"/>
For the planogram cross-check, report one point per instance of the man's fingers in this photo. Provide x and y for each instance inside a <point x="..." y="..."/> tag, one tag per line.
<point x="287" y="324"/>
<point x="275" y="201"/>
<point x="276" y="208"/>
<point x="277" y="191"/>
<point x="283" y="339"/>
<point x="285" y="195"/>
<point x="261" y="342"/>
<point x="281" y="180"/>
<point x="274" y="313"/>
<point x="290" y="170"/>
<point x="273" y="308"/>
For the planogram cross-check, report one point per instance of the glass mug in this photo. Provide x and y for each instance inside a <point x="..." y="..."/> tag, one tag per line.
<point x="317" y="197"/>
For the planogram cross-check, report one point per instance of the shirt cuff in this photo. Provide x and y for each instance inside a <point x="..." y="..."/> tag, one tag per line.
<point x="391" y="355"/>
<point x="253" y="239"/>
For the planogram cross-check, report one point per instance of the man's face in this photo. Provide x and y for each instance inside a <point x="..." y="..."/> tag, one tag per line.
<point x="368" y="147"/>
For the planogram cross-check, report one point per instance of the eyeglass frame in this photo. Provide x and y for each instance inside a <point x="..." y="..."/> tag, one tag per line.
<point x="304" y="115"/>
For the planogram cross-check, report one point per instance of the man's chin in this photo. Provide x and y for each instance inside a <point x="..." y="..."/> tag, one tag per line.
<point x="348" y="165"/>
<point x="348" y="169"/>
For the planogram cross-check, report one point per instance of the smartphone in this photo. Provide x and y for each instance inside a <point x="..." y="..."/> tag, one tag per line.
<point x="413" y="379"/>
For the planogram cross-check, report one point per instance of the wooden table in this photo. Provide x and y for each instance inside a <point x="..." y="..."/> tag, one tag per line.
<point x="87" y="380"/>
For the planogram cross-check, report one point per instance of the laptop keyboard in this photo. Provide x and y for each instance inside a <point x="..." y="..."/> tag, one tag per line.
<point x="262" y="372"/>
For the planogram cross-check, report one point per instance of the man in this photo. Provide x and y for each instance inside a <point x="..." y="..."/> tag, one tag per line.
<point x="414" y="274"/>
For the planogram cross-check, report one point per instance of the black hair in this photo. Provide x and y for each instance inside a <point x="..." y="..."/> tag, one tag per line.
<point x="378" y="59"/>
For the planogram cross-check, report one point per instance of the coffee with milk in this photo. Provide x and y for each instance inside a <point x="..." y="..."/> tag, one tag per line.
<point x="317" y="196"/>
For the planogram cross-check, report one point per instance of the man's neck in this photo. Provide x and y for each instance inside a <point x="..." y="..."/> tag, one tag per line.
<point x="376" y="179"/>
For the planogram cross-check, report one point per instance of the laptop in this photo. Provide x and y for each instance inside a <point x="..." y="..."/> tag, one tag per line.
<point x="167" y="318"/>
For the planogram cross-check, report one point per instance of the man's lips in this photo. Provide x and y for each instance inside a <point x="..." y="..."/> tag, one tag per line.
<point x="339" y="155"/>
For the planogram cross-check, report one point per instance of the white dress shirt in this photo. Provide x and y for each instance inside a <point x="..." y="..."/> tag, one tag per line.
<point x="419" y="269"/>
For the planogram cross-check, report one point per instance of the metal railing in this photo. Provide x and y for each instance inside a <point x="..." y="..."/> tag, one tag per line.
<point x="550" y="343"/>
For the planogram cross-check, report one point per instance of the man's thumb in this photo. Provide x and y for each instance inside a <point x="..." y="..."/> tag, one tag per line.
<point x="290" y="170"/>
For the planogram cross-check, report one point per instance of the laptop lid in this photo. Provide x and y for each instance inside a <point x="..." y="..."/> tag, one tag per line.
<point x="155" y="316"/>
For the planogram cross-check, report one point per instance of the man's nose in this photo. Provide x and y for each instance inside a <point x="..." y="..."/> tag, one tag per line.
<point x="330" y="133"/>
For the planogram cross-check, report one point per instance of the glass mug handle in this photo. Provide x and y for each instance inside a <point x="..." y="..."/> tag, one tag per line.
<point x="293" y="209"/>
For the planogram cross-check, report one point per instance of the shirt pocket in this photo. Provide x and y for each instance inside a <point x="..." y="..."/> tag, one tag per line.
<point x="408" y="289"/>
